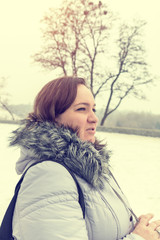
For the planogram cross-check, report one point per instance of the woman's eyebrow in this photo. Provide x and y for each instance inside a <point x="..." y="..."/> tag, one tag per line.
<point x="83" y="103"/>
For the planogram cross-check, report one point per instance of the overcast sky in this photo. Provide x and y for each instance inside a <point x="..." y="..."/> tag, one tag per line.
<point x="20" y="37"/>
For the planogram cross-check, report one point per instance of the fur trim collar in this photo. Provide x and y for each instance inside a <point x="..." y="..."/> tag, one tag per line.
<point x="60" y="144"/>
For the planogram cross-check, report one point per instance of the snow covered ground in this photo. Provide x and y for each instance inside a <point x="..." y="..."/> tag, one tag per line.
<point x="135" y="163"/>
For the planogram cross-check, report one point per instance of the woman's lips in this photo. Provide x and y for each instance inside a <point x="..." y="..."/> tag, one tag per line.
<point x="91" y="130"/>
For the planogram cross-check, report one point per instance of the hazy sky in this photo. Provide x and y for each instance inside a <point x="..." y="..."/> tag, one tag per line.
<point x="20" y="37"/>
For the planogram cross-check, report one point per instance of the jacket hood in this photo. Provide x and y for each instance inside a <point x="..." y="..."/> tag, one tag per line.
<point x="47" y="141"/>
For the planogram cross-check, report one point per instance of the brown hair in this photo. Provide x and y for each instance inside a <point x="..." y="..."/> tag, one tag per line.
<point x="55" y="98"/>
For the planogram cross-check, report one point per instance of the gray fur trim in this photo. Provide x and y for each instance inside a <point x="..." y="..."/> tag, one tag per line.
<point x="60" y="144"/>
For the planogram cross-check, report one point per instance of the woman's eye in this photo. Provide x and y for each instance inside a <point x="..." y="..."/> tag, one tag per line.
<point x="81" y="109"/>
<point x="94" y="110"/>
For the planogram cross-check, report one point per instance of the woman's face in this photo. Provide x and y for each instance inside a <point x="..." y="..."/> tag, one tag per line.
<point x="81" y="115"/>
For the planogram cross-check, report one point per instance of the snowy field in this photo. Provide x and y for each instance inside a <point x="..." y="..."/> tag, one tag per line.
<point x="135" y="163"/>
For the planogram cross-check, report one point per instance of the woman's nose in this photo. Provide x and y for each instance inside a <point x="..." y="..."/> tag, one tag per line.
<point x="92" y="117"/>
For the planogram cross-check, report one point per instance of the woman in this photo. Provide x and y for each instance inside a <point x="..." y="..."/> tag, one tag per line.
<point x="62" y="128"/>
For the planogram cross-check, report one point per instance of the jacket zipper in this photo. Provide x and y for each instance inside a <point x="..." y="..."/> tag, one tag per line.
<point x="130" y="211"/>
<point x="113" y="214"/>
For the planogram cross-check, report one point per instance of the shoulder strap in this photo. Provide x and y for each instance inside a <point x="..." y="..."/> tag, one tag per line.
<point x="6" y="226"/>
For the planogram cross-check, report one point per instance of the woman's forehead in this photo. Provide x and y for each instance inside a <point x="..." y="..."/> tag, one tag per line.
<point x="84" y="96"/>
<point x="83" y="92"/>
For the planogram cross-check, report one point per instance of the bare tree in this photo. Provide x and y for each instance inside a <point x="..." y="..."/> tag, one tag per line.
<point x="78" y="40"/>
<point x="131" y="71"/>
<point x="74" y="37"/>
<point x="3" y="98"/>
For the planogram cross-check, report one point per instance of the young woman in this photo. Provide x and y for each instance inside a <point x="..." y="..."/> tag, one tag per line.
<point x="61" y="130"/>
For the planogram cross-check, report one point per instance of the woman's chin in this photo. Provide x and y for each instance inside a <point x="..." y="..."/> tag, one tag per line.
<point x="92" y="140"/>
<point x="88" y="138"/>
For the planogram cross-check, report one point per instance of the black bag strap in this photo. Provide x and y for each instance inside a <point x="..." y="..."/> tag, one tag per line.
<point x="6" y="226"/>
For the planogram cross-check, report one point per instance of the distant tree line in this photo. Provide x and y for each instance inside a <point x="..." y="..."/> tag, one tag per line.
<point x="136" y="120"/>
<point x="21" y="110"/>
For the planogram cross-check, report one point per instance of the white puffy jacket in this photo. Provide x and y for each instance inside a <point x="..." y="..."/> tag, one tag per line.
<point x="47" y="206"/>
